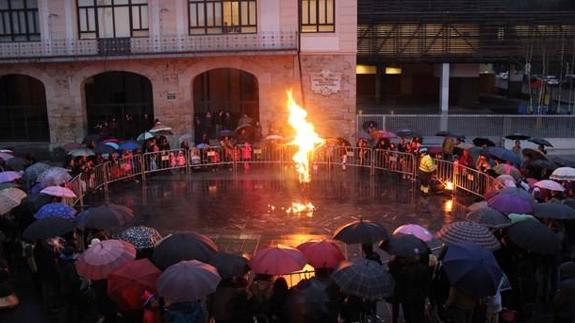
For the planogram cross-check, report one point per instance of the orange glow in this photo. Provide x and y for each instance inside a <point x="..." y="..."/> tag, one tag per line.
<point x="448" y="206"/>
<point x="306" y="139"/>
<point x="449" y="186"/>
<point x="298" y="208"/>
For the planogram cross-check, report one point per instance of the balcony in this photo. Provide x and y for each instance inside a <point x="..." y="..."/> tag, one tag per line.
<point x="74" y="49"/>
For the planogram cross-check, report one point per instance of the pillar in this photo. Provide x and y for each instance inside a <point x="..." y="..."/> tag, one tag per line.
<point x="378" y="83"/>
<point x="444" y="88"/>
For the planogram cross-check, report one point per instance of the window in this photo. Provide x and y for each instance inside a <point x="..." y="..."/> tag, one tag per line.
<point x="317" y="16"/>
<point x="19" y="20"/>
<point x="112" y="18"/>
<point x="222" y="16"/>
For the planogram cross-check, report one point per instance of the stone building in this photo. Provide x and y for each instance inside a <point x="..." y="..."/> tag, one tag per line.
<point x="68" y="65"/>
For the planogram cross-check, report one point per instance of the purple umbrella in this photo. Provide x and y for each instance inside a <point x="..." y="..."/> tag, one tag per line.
<point x="512" y="200"/>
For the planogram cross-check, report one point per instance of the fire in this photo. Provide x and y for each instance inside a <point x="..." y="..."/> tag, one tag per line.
<point x="449" y="186"/>
<point x="301" y="208"/>
<point x="306" y="139"/>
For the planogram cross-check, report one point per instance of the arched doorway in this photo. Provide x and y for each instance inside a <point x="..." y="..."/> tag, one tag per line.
<point x="23" y="115"/>
<point x="119" y="104"/>
<point x="229" y="90"/>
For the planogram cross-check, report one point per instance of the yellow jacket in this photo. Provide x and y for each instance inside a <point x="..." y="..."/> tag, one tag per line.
<point x="426" y="164"/>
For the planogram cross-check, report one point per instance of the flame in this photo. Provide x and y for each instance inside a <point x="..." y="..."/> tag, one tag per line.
<point x="449" y="186"/>
<point x="301" y="208"/>
<point x="306" y="139"/>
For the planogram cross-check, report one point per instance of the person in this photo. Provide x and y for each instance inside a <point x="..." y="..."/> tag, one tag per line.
<point x="482" y="164"/>
<point x="276" y="304"/>
<point x="564" y="299"/>
<point x="151" y="308"/>
<point x="70" y="284"/>
<point x="460" y="305"/>
<point x="230" y="303"/>
<point x="412" y="282"/>
<point x="448" y="147"/>
<point x="192" y="312"/>
<point x="260" y="292"/>
<point x="466" y="159"/>
<point x="517" y="148"/>
<point x="426" y="169"/>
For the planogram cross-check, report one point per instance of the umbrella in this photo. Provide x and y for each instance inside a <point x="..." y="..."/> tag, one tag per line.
<point x="114" y="145"/>
<point x="407" y="133"/>
<point x="554" y="211"/>
<point x="160" y="130"/>
<point x="516" y="217"/>
<point x="517" y="136"/>
<point x="512" y="200"/>
<point x="570" y="202"/>
<point x="4" y="186"/>
<point x="415" y="230"/>
<point x="226" y="133"/>
<point x="533" y="236"/>
<point x="506" y="181"/>
<point x="55" y="210"/>
<point x="506" y="169"/>
<point x="229" y="265"/>
<point x="280" y="260"/>
<point x="106" y="216"/>
<point x="361" y="231"/>
<point x="6" y="156"/>
<point x="104" y="148"/>
<point x="472" y="269"/>
<point x="48" y="228"/>
<point x="14" y="194"/>
<point x="384" y="134"/>
<point x="489" y="218"/>
<point x="141" y="237"/>
<point x="322" y="253"/>
<point x="550" y="185"/>
<point x="459" y="232"/>
<point x="189" y="137"/>
<point x="128" y="282"/>
<point x="544" y="164"/>
<point x="81" y="152"/>
<point x="540" y="141"/>
<point x="9" y="176"/>
<point x="188" y="281"/>
<point x="464" y="146"/>
<point x="34" y="201"/>
<point x="145" y="136"/>
<point x="31" y="173"/>
<point x="58" y="191"/>
<point x="7" y="204"/>
<point x="91" y="138"/>
<point x="561" y="161"/>
<point x="477" y="205"/>
<point x="405" y="246"/>
<point x="17" y="163"/>
<point x="563" y="174"/>
<point x="183" y="246"/>
<point x="103" y="257"/>
<point x="503" y="154"/>
<point x="480" y="142"/>
<point x="129" y="145"/>
<point x="364" y="278"/>
<point x="533" y="154"/>
<point x="202" y="146"/>
<point x="111" y="140"/>
<point x="308" y="299"/>
<point x="54" y="176"/>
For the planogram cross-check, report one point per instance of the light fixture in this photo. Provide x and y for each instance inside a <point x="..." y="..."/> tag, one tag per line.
<point x="365" y="69"/>
<point x="393" y="70"/>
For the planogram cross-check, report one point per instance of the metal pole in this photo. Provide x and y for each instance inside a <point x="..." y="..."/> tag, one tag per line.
<point x="105" y="167"/>
<point x="143" y="166"/>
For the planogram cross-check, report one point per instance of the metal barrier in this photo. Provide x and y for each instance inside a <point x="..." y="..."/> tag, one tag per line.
<point x="127" y="167"/>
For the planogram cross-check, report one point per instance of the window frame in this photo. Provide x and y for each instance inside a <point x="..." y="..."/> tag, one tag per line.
<point x="317" y="23"/>
<point x="8" y="24"/>
<point x="84" y="10"/>
<point x="205" y="27"/>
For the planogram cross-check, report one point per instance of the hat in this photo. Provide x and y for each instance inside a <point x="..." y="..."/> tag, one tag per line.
<point x="423" y="150"/>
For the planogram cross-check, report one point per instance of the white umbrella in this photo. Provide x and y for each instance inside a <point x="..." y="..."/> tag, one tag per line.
<point x="145" y="136"/>
<point x="550" y="185"/>
<point x="563" y="174"/>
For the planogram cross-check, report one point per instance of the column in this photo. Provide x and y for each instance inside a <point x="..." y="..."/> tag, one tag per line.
<point x="378" y="76"/>
<point x="444" y="88"/>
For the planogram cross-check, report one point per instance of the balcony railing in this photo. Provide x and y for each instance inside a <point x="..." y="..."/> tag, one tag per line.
<point x="164" y="45"/>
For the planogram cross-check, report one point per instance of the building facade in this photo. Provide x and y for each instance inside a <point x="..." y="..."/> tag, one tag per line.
<point x="67" y="66"/>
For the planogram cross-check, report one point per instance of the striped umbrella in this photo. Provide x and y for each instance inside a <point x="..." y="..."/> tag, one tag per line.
<point x="103" y="257"/>
<point x="364" y="278"/>
<point x="459" y="232"/>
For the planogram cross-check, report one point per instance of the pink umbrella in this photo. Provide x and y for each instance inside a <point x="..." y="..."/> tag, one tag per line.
<point x="322" y="253"/>
<point x="98" y="261"/>
<point x="280" y="260"/>
<point x="6" y="156"/>
<point x="59" y="191"/>
<point x="415" y="230"/>
<point x="550" y="185"/>
<point x="9" y="176"/>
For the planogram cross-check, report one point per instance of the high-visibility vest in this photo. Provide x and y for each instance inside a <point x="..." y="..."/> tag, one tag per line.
<point x="426" y="164"/>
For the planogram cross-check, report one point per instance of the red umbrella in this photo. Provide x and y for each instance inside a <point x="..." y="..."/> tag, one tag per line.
<point x="98" y="261"/>
<point x="127" y="283"/>
<point x="322" y="253"/>
<point x="280" y="260"/>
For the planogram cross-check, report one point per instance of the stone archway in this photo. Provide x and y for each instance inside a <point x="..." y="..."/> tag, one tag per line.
<point x="23" y="109"/>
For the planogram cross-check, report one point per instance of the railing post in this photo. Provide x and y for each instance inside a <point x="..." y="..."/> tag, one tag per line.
<point x="81" y="200"/>
<point x="454" y="173"/>
<point x="372" y="166"/>
<point x="188" y="162"/>
<point x="143" y="167"/>
<point x="106" y="177"/>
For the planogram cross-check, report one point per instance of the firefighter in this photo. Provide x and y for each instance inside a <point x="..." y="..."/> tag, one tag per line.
<point x="426" y="168"/>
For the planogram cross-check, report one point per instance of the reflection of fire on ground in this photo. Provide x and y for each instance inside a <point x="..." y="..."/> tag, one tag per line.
<point x="296" y="208"/>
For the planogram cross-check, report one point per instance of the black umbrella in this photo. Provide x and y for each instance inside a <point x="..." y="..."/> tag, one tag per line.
<point x="489" y="217"/>
<point x="533" y="236"/>
<point x="407" y="133"/>
<point x="479" y="142"/>
<point x="104" y="217"/>
<point x="533" y="154"/>
<point x="230" y="265"/>
<point x="309" y="299"/>
<point x="554" y="211"/>
<point x="540" y="141"/>
<point x="561" y="161"/>
<point x="569" y="202"/>
<point x="17" y="164"/>
<point x="361" y="231"/>
<point x="183" y="246"/>
<point x="517" y="136"/>
<point x="544" y="164"/>
<point x="406" y="245"/>
<point x="48" y="228"/>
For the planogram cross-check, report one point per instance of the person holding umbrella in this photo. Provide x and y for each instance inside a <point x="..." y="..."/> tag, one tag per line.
<point x="427" y="167"/>
<point x="412" y="283"/>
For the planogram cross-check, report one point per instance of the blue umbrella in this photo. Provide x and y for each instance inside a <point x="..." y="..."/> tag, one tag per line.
<point x="472" y="269"/>
<point x="113" y="145"/>
<point x="503" y="154"/>
<point x="129" y="145"/>
<point x="55" y="209"/>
